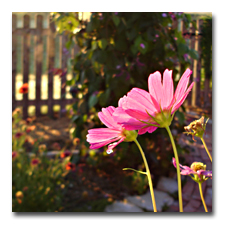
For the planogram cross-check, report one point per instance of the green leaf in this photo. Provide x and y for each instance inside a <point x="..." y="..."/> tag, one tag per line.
<point x="121" y="45"/>
<point x="93" y="45"/>
<point x="93" y="100"/>
<point x="182" y="49"/>
<point x="116" y="20"/>
<point x="180" y="117"/>
<point x="75" y="117"/>
<point x="103" y="98"/>
<point x="102" y="43"/>
<point x="193" y="54"/>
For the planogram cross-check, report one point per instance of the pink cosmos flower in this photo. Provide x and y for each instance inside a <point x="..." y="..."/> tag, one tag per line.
<point x="114" y="132"/>
<point x="145" y="111"/>
<point x="196" y="168"/>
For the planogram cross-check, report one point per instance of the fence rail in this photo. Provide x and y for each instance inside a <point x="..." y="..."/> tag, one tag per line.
<point x="38" y="49"/>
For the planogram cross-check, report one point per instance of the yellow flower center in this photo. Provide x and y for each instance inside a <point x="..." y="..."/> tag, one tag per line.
<point x="198" y="166"/>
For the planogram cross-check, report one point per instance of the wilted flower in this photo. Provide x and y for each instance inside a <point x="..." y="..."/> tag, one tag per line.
<point x="42" y="148"/>
<point x="100" y="137"/>
<point x="70" y="166"/>
<point x="145" y="111"/>
<point x="76" y="141"/>
<point x="56" y="146"/>
<point x="196" y="128"/>
<point x="197" y="169"/>
<point x="24" y="89"/>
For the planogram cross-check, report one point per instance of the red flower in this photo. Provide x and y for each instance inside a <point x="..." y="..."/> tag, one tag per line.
<point x="70" y="166"/>
<point x="18" y="135"/>
<point x="31" y="128"/>
<point x="24" y="89"/>
<point x="65" y="154"/>
<point x="34" y="162"/>
<point x="14" y="154"/>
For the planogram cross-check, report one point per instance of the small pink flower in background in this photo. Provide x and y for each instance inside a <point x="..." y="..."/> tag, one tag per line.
<point x="164" y="15"/>
<point x="185" y="56"/>
<point x="114" y="133"/>
<point x="156" y="35"/>
<point x="196" y="168"/>
<point x="141" y="109"/>
<point x="142" y="45"/>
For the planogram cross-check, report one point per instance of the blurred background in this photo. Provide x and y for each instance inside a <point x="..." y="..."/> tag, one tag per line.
<point x="76" y="63"/>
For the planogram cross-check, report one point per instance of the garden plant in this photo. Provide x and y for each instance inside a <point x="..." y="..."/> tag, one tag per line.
<point x="131" y="76"/>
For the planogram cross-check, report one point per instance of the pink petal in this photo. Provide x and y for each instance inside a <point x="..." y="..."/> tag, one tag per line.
<point x="167" y="89"/>
<point x="149" y="129"/>
<point x="138" y="114"/>
<point x="128" y="122"/>
<point x="155" y="86"/>
<point x="101" y="144"/>
<point x="182" y="99"/>
<point x="139" y="100"/>
<point x="113" y="145"/>
<point x="106" y="117"/>
<point x="182" y="85"/>
<point x="102" y="134"/>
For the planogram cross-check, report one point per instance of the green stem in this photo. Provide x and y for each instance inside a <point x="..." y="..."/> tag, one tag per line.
<point x="178" y="169"/>
<point x="148" y="175"/>
<point x="203" y="201"/>
<point x="206" y="149"/>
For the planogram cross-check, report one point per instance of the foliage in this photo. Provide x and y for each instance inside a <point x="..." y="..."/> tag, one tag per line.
<point x="117" y="53"/>
<point x="37" y="181"/>
<point x="206" y="46"/>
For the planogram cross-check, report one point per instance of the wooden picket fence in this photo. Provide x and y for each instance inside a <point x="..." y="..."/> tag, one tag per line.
<point x="22" y="51"/>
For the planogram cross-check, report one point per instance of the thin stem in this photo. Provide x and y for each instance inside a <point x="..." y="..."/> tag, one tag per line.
<point x="178" y="169"/>
<point x="135" y="170"/>
<point x="203" y="201"/>
<point x="148" y="175"/>
<point x="206" y="149"/>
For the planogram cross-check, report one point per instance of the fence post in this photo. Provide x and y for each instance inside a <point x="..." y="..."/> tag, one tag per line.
<point x="51" y="53"/>
<point x="64" y="67"/>
<point x="26" y="51"/>
<point x="198" y="70"/>
<point x="14" y="45"/>
<point x="38" y="58"/>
